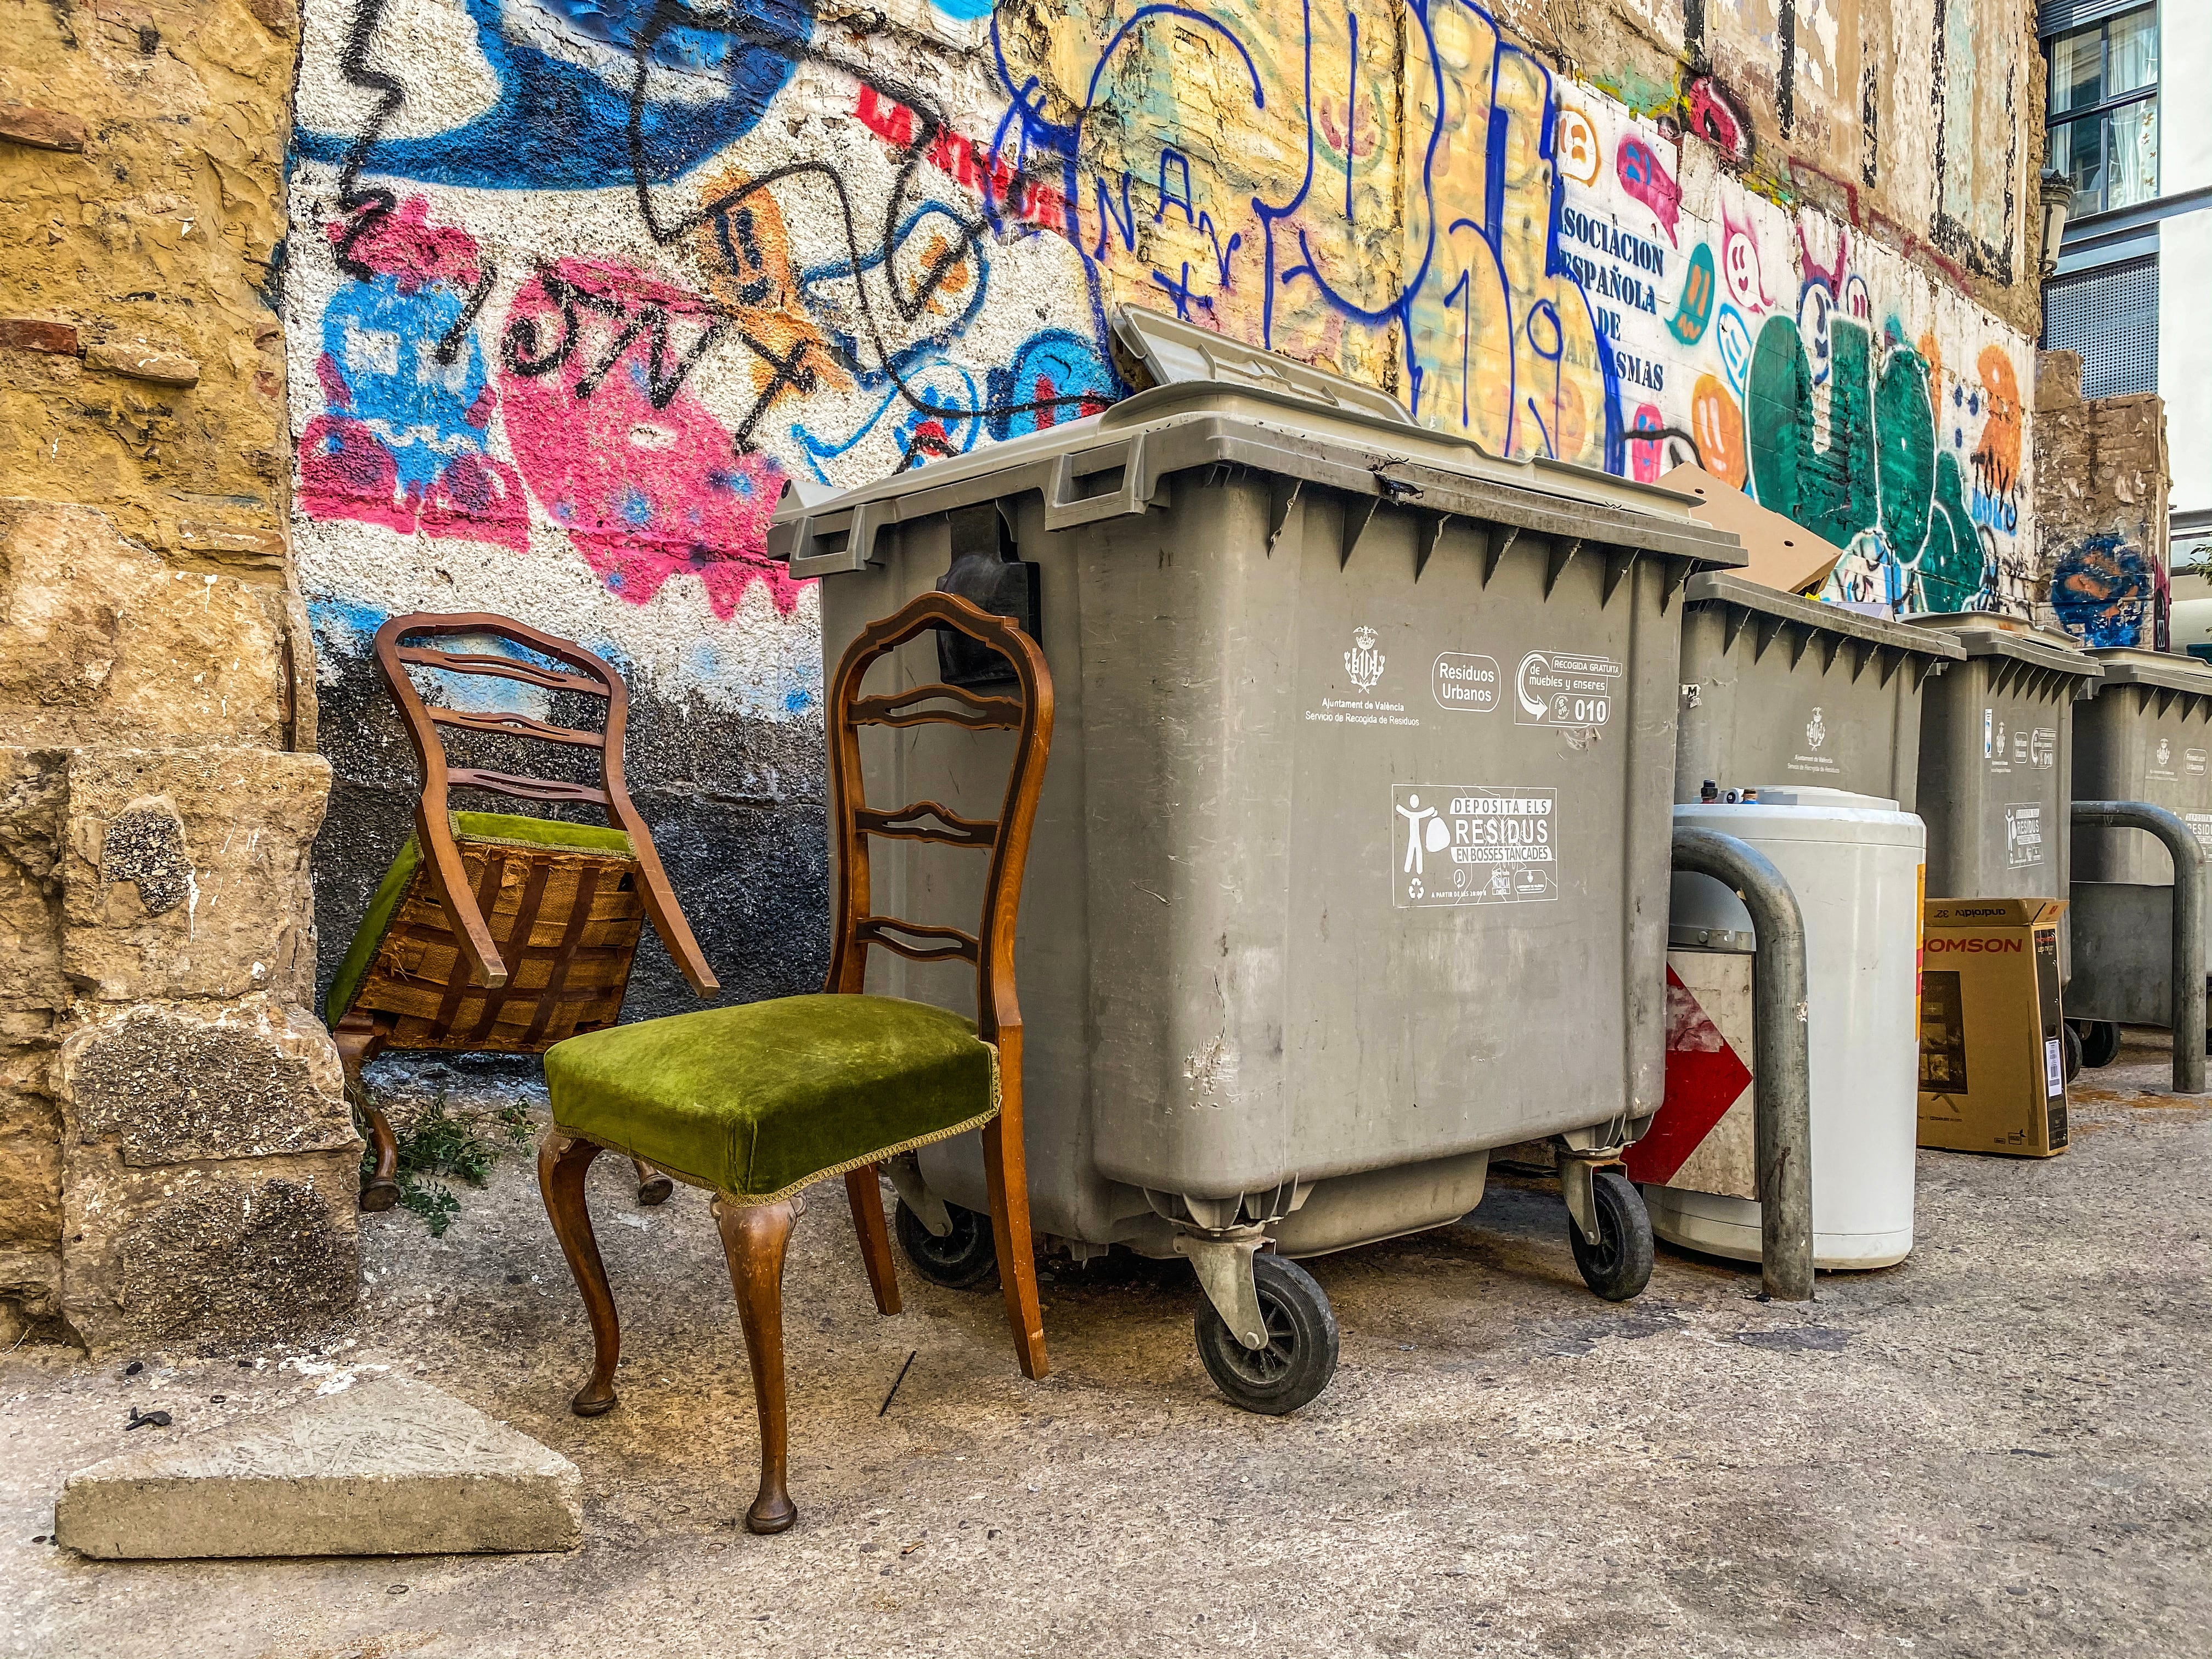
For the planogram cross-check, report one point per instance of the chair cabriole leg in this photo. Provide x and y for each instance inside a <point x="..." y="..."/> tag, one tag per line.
<point x="867" y="1202"/>
<point x="754" y="1239"/>
<point x="653" y="1186"/>
<point x="562" y="1164"/>
<point x="1007" y="1176"/>
<point x="355" y="1048"/>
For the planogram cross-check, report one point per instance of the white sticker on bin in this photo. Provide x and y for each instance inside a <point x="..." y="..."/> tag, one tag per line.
<point x="1463" y="843"/>
<point x="1564" y="688"/>
<point x="2023" y="836"/>
<point x="2054" y="1066"/>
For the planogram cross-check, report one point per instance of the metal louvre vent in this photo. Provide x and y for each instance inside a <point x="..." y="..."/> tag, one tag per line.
<point x="2111" y="317"/>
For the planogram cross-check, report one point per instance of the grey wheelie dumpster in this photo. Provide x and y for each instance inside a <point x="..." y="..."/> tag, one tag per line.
<point x="1362" y="764"/>
<point x="1997" y="762"/>
<point x="2144" y="734"/>
<point x="1778" y="689"/>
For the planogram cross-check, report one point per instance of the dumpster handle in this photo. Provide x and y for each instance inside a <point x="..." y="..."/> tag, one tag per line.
<point x="1782" y="1101"/>
<point x="2187" y="1000"/>
<point x="1065" y="510"/>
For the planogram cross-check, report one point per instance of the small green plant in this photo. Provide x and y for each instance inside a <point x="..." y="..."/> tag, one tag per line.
<point x="437" y="1144"/>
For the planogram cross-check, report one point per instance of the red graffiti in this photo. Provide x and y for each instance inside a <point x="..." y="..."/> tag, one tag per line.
<point x="1715" y="117"/>
<point x="1643" y="177"/>
<point x="406" y="245"/>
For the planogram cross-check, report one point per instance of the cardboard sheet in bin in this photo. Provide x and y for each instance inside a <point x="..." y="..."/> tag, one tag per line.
<point x="1992" y="1053"/>
<point x="1782" y="553"/>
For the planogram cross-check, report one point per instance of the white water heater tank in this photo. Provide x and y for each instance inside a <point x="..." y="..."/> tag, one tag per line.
<point x="1855" y="863"/>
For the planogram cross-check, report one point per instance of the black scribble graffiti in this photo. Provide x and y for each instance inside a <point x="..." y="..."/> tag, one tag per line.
<point x="969" y="240"/>
<point x="370" y="208"/>
<point x="525" y="353"/>
<point x="791" y="372"/>
<point x="522" y="352"/>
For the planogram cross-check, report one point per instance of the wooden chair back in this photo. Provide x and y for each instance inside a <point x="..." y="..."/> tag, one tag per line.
<point x="467" y="896"/>
<point x="856" y="924"/>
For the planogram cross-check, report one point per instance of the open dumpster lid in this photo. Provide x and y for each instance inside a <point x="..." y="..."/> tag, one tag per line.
<point x="1980" y="634"/>
<point x="1769" y="608"/>
<point x="2164" y="670"/>
<point x="1312" y="429"/>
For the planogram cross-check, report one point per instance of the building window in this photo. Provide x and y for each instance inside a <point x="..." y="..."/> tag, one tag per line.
<point x="2104" y="111"/>
<point x="2111" y="317"/>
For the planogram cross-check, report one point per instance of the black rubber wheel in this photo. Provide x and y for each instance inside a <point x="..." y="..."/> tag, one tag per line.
<point x="1619" y="1265"/>
<point x="1300" y="1356"/>
<point x="2071" y="1042"/>
<point x="2101" y="1041"/>
<point x="964" y="1258"/>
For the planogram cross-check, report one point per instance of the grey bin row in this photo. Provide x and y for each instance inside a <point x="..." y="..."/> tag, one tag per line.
<point x="1351" y="863"/>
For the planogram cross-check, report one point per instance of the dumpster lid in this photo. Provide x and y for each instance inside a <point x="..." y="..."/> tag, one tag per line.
<point x="1170" y="353"/>
<point x="1302" y="424"/>
<point x="2126" y="665"/>
<point x="1981" y="635"/>
<point x="1727" y="588"/>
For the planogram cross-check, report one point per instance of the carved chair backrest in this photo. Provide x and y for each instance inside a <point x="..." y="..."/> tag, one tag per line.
<point x="591" y="677"/>
<point x="1028" y="714"/>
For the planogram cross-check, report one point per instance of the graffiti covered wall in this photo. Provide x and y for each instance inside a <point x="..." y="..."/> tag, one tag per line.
<point x="575" y="285"/>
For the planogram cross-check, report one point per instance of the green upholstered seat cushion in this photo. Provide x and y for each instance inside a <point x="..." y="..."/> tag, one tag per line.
<point x="467" y="826"/>
<point x="757" y="1100"/>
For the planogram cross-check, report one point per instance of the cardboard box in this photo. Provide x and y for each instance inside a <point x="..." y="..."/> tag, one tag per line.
<point x="1992" y="1046"/>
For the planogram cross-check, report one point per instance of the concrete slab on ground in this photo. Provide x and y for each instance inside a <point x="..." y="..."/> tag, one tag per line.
<point x="390" y="1467"/>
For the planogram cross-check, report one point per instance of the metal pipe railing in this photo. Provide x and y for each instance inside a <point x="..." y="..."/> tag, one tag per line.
<point x="1782" y="1067"/>
<point x="2186" y="1005"/>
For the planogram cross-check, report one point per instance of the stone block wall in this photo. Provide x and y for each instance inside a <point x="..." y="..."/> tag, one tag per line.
<point x="2100" y="507"/>
<point x="177" y="1158"/>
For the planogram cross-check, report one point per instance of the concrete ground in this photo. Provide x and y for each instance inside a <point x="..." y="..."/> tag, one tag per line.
<point x="2000" y="1447"/>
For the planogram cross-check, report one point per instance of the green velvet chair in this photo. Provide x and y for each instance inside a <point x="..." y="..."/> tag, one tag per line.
<point x="494" y="932"/>
<point x="757" y="1102"/>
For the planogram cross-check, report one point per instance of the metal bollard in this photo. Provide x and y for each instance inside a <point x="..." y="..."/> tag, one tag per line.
<point x="2187" y="1001"/>
<point x="1781" y="1102"/>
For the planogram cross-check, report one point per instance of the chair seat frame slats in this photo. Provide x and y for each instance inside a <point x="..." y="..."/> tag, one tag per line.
<point x="755" y="1232"/>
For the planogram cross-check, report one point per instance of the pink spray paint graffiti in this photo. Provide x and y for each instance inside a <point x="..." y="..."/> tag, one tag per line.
<point x="1643" y="177"/>
<point x="403" y="441"/>
<point x="621" y="455"/>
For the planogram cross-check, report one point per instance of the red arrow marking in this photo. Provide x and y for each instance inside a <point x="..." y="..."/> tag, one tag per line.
<point x="1705" y="1076"/>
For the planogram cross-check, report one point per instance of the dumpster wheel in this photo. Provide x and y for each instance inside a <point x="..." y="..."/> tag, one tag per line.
<point x="2074" y="1050"/>
<point x="2100" y="1041"/>
<point x="1619" y="1265"/>
<point x="1300" y="1356"/>
<point x="961" y="1260"/>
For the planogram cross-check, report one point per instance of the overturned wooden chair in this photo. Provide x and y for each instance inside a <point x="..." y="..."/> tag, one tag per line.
<point x="756" y="1102"/>
<point x="494" y="932"/>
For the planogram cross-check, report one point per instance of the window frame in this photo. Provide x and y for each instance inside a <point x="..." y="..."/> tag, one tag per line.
<point x="2097" y="112"/>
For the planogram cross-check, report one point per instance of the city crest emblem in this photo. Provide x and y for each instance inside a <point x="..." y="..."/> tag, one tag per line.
<point x="1816" y="732"/>
<point x="1364" y="663"/>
